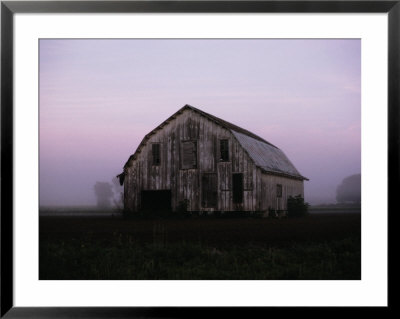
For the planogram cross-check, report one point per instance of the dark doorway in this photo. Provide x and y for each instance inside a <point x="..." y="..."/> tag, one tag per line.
<point x="156" y="200"/>
<point x="237" y="188"/>
<point x="209" y="190"/>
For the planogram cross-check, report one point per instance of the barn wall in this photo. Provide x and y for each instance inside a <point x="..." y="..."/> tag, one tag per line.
<point x="185" y="184"/>
<point x="290" y="187"/>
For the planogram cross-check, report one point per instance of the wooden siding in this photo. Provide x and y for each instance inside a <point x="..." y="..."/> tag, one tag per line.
<point x="185" y="184"/>
<point x="290" y="187"/>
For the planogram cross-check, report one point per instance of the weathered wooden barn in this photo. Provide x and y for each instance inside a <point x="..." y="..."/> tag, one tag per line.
<point x="203" y="163"/>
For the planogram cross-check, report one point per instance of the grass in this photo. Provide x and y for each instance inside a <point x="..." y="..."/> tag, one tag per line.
<point x="319" y="247"/>
<point x="81" y="260"/>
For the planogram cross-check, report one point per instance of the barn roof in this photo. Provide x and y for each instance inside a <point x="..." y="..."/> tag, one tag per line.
<point x="269" y="158"/>
<point x="227" y="125"/>
<point x="264" y="154"/>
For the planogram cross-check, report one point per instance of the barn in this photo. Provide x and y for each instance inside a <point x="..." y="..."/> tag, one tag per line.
<point x="201" y="163"/>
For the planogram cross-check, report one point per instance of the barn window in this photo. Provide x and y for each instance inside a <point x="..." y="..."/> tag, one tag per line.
<point x="156" y="154"/>
<point x="237" y="188"/>
<point x="209" y="192"/>
<point x="278" y="190"/>
<point x="224" y="150"/>
<point x="189" y="154"/>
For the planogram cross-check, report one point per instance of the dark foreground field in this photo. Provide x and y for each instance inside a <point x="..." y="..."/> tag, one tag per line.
<point x="319" y="246"/>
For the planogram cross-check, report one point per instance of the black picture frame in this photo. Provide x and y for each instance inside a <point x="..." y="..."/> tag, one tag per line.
<point x="9" y="8"/>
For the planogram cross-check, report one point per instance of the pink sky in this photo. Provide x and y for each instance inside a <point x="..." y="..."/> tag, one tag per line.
<point x="98" y="98"/>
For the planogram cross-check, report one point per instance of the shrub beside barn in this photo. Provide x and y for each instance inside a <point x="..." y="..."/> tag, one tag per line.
<point x="201" y="163"/>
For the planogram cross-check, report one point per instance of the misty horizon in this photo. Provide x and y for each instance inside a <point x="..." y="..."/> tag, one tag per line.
<point x="99" y="98"/>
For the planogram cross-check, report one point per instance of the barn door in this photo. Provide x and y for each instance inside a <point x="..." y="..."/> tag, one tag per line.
<point x="237" y="188"/>
<point x="209" y="191"/>
<point x="159" y="200"/>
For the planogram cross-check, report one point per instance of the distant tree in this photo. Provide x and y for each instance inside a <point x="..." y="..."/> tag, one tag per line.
<point x="296" y="206"/>
<point x="349" y="191"/>
<point x="118" y="193"/>
<point x="104" y="194"/>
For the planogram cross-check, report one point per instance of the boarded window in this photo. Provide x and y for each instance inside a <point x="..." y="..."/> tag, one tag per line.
<point x="156" y="154"/>
<point x="237" y="188"/>
<point x="224" y="150"/>
<point x="278" y="190"/>
<point x="189" y="155"/>
<point x="209" y="197"/>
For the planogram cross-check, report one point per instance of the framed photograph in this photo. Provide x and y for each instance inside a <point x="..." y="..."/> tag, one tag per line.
<point x="177" y="158"/>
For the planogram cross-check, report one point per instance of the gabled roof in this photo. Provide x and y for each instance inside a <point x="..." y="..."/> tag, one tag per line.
<point x="267" y="157"/>
<point x="227" y="125"/>
<point x="264" y="154"/>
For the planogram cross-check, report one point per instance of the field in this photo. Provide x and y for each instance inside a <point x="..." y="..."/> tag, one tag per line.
<point x="319" y="246"/>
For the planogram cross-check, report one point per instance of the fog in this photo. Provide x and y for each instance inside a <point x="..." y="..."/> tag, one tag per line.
<point x="349" y="191"/>
<point x="98" y="98"/>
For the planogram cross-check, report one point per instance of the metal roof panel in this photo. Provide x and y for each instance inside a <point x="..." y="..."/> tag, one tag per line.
<point x="267" y="156"/>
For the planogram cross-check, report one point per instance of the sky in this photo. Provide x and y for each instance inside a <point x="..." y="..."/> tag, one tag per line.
<point x="98" y="98"/>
